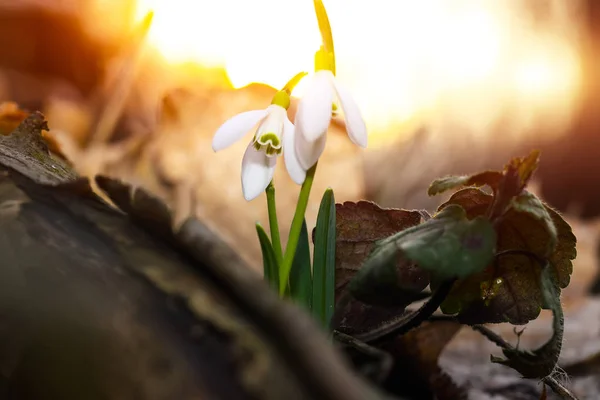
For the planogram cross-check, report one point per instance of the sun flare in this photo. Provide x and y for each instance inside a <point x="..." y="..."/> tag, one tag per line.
<point x="404" y="61"/>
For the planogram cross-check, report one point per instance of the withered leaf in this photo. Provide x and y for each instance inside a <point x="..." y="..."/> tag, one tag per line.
<point x="359" y="225"/>
<point x="505" y="184"/>
<point x="524" y="167"/>
<point x="509" y="289"/>
<point x="516" y="176"/>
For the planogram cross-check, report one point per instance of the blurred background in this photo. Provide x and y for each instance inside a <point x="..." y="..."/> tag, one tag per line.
<point x="445" y="86"/>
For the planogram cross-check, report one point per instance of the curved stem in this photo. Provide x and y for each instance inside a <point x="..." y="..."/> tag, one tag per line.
<point x="291" y="84"/>
<point x="549" y="380"/>
<point x="405" y="323"/>
<point x="273" y="224"/>
<point x="295" y="229"/>
<point x="385" y="359"/>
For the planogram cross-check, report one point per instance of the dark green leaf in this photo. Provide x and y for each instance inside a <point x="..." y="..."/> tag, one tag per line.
<point x="440" y="185"/>
<point x="529" y="203"/>
<point x="358" y="228"/>
<point x="323" y="298"/>
<point x="301" y="274"/>
<point x="449" y="246"/>
<point x="539" y="363"/>
<point x="508" y="290"/>
<point x="359" y="225"/>
<point x="270" y="267"/>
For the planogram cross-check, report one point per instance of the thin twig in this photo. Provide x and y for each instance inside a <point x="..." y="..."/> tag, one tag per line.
<point x="385" y="359"/>
<point x="549" y="380"/>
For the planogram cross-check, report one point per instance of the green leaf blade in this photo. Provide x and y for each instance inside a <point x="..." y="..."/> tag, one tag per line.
<point x="323" y="294"/>
<point x="270" y="265"/>
<point x="528" y="203"/>
<point x="490" y="296"/>
<point x="449" y="246"/>
<point x="301" y="285"/>
<point x="441" y="185"/>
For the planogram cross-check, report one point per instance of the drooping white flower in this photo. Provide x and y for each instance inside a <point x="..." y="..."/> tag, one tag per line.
<point x="274" y="136"/>
<point x="314" y="114"/>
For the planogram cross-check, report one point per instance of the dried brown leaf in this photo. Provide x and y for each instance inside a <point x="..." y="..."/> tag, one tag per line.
<point x="359" y="226"/>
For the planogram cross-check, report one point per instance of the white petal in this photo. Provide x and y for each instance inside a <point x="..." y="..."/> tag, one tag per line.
<point x="235" y="128"/>
<point x="292" y="164"/>
<point x="257" y="172"/>
<point x="308" y="153"/>
<point x="314" y="109"/>
<point x="355" y="124"/>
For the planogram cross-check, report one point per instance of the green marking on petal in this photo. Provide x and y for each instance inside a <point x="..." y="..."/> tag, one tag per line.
<point x="268" y="142"/>
<point x="269" y="137"/>
<point x="271" y="151"/>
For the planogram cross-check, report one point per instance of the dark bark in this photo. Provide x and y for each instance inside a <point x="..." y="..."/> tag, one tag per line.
<point x="101" y="304"/>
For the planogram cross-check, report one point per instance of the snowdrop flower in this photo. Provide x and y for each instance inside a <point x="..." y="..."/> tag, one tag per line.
<point x="322" y="98"/>
<point x="274" y="136"/>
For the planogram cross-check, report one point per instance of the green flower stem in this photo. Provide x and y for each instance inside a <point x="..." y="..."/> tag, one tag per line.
<point x="289" y="87"/>
<point x="273" y="224"/>
<point x="294" y="236"/>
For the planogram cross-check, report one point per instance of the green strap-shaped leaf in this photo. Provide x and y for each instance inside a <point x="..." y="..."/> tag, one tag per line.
<point x="270" y="267"/>
<point x="449" y="245"/>
<point x="301" y="274"/>
<point x="323" y="294"/>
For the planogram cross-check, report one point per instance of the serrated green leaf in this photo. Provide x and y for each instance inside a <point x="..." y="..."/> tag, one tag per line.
<point x="270" y="267"/>
<point x="301" y="274"/>
<point x="508" y="290"/>
<point x="323" y="295"/>
<point x="440" y="185"/>
<point x="448" y="246"/>
<point x="529" y="203"/>
<point x="539" y="363"/>
<point x="462" y="248"/>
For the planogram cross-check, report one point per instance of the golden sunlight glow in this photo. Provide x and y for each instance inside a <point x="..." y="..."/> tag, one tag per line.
<point x="428" y="60"/>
